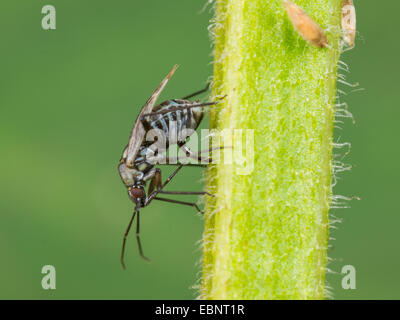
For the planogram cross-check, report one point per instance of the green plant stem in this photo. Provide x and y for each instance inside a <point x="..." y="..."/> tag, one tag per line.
<point x="266" y="233"/>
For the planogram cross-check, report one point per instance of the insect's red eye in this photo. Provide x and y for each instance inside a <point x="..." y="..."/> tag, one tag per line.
<point x="136" y="193"/>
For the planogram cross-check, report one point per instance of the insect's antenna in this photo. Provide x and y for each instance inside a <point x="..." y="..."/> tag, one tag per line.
<point x="125" y="235"/>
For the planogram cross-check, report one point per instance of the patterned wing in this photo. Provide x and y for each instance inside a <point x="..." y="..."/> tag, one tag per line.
<point x="138" y="131"/>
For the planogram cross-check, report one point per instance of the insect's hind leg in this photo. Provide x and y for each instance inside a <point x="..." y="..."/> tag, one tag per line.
<point x="191" y="204"/>
<point x="188" y="193"/>
<point x="197" y="92"/>
<point x="177" y="107"/>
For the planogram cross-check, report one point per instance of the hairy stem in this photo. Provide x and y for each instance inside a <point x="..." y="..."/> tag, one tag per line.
<point x="266" y="232"/>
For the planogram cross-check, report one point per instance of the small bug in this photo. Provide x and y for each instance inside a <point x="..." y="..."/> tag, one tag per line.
<point x="305" y="26"/>
<point x="135" y="169"/>
<point x="349" y="22"/>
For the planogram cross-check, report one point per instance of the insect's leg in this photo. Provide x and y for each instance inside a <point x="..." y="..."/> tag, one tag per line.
<point x="197" y="92"/>
<point x="191" y="154"/>
<point x="186" y="165"/>
<point x="180" y="202"/>
<point x="178" y="107"/>
<point x="154" y="193"/>
<point x="171" y="176"/>
<point x="138" y="238"/>
<point x="124" y="241"/>
<point x="155" y="182"/>
<point x="194" y="155"/>
<point x="173" y="161"/>
<point x="169" y="161"/>
<point x="188" y="193"/>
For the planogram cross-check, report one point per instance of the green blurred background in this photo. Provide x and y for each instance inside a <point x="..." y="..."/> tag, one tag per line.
<point x="68" y="99"/>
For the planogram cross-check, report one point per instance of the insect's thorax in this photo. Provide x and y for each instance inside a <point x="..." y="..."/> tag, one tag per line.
<point x="142" y="162"/>
<point x="184" y="118"/>
<point x="137" y="175"/>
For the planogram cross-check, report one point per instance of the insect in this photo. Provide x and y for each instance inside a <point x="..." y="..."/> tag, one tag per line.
<point x="305" y="26"/>
<point x="349" y="22"/>
<point x="135" y="168"/>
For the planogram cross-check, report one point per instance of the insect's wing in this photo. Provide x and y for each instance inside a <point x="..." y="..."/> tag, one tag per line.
<point x="138" y="131"/>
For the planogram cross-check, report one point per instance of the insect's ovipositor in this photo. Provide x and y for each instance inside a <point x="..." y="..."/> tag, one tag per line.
<point x="305" y="26"/>
<point x="349" y="22"/>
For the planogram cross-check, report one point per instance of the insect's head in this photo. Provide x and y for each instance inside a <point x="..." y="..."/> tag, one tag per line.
<point x="137" y="195"/>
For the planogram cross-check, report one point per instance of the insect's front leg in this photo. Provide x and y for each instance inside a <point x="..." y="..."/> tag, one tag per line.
<point x="155" y="182"/>
<point x="152" y="195"/>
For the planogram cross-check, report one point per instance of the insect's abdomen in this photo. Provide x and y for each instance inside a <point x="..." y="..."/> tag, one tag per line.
<point x="185" y="119"/>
